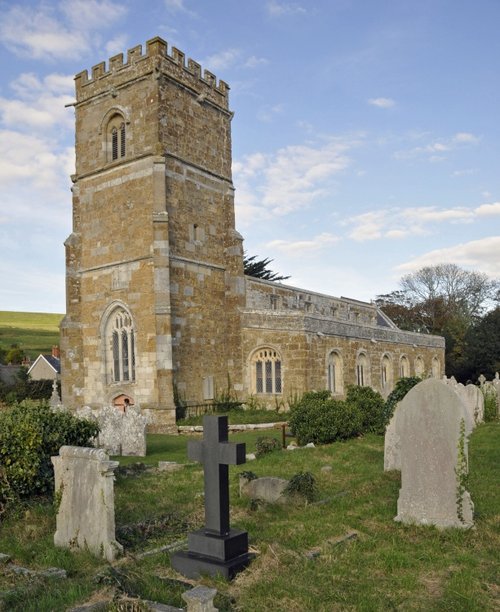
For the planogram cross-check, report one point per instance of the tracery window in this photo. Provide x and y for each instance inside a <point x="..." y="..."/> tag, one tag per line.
<point x="334" y="372"/>
<point x="266" y="371"/>
<point x="120" y="340"/>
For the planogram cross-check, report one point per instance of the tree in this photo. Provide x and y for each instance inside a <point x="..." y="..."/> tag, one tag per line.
<point x="445" y="300"/>
<point x="482" y="347"/>
<point x="258" y="268"/>
<point x="14" y="355"/>
<point x="461" y="292"/>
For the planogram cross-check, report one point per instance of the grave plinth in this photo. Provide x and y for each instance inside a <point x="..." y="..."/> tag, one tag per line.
<point x="216" y="548"/>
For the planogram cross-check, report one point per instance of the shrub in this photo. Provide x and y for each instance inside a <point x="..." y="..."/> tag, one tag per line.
<point x="29" y="435"/>
<point x="265" y="445"/>
<point x="318" y="418"/>
<point x="370" y="405"/>
<point x="302" y="484"/>
<point x="396" y="395"/>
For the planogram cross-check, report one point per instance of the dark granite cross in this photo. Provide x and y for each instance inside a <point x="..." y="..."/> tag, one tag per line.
<point x="216" y="454"/>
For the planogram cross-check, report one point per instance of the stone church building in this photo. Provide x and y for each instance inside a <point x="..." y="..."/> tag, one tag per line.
<point x="158" y="306"/>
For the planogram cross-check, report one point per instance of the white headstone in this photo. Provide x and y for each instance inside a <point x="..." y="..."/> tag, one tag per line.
<point x="85" y="519"/>
<point x="431" y="425"/>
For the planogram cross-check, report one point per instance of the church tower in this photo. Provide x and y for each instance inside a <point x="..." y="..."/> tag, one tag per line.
<point x="154" y="265"/>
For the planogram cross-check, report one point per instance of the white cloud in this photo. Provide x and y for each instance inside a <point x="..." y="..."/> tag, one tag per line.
<point x="382" y="102"/>
<point x="397" y="223"/>
<point x="482" y="255"/>
<point x="178" y="6"/>
<point x="222" y="60"/>
<point x="279" y="9"/>
<point x="254" y="62"/>
<point x="92" y="14"/>
<point x="268" y="113"/>
<point x="40" y="104"/>
<point x="116" y="45"/>
<point x="488" y="209"/>
<point x="49" y="33"/>
<point x="300" y="247"/>
<point x="28" y="160"/>
<point x="434" y="151"/>
<point x="466" y="137"/>
<point x="272" y="185"/>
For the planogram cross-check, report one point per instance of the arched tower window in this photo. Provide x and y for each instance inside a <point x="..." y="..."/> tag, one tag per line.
<point x="266" y="371"/>
<point x="362" y="370"/>
<point x="335" y="373"/>
<point x="120" y="346"/>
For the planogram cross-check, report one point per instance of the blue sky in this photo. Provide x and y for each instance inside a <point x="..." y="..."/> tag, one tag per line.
<point x="365" y="138"/>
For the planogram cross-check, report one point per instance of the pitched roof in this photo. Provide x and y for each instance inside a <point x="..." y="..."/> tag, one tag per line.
<point x="54" y="362"/>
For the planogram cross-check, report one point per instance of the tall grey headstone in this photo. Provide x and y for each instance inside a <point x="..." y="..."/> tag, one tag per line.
<point x="216" y="548"/>
<point x="84" y="479"/>
<point x="433" y="437"/>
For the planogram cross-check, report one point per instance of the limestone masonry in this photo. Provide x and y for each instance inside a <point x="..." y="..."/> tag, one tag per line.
<point x="158" y="306"/>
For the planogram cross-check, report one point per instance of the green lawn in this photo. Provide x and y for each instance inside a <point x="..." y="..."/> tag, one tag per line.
<point x="34" y="332"/>
<point x="387" y="566"/>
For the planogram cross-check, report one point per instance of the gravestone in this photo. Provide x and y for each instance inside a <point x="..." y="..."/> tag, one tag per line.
<point x="268" y="489"/>
<point x="133" y="433"/>
<point x="110" y="421"/>
<point x="216" y="548"/>
<point x="119" y="433"/>
<point x="431" y="427"/>
<point x="474" y="401"/>
<point x="392" y="446"/>
<point x="85" y="519"/>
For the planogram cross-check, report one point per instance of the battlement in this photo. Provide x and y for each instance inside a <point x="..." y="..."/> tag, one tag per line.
<point x="156" y="48"/>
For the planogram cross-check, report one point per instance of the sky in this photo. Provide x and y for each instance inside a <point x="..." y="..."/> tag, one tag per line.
<point x="365" y="138"/>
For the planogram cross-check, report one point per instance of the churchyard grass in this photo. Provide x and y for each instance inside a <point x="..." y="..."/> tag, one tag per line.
<point x="34" y="332"/>
<point x="303" y="559"/>
<point x="240" y="416"/>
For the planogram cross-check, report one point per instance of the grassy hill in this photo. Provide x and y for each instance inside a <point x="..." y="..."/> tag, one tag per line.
<point x="34" y="332"/>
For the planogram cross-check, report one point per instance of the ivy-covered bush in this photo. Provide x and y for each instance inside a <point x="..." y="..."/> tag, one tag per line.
<point x="303" y="484"/>
<point x="370" y="404"/>
<point x="318" y="418"/>
<point x="396" y="395"/>
<point x="29" y="435"/>
<point x="266" y="444"/>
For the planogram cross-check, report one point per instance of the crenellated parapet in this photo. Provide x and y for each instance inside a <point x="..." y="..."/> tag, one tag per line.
<point x="156" y="61"/>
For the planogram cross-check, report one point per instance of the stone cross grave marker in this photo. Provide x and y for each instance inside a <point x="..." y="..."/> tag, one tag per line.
<point x="216" y="548"/>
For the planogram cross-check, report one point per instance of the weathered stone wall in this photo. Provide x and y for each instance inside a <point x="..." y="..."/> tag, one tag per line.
<point x="306" y="327"/>
<point x="153" y="232"/>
